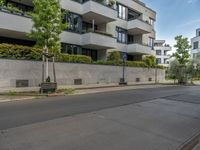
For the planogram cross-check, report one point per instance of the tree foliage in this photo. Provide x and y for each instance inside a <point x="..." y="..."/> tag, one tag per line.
<point x="182" y="50"/>
<point x="47" y="24"/>
<point x="150" y="61"/>
<point x="114" y="56"/>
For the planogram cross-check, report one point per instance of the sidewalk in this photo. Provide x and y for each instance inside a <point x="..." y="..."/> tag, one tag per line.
<point x="78" y="87"/>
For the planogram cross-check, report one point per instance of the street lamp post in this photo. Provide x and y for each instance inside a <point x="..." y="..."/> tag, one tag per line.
<point x="123" y="80"/>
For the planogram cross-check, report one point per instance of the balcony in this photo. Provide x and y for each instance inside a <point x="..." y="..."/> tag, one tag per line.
<point x="136" y="48"/>
<point x="14" y="25"/>
<point x="138" y="26"/>
<point x="98" y="41"/>
<point x="101" y="13"/>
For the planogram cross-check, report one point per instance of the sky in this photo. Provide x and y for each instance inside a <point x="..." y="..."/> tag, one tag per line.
<point x="175" y="17"/>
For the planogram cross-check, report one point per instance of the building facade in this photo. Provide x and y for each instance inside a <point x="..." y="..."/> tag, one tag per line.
<point x="95" y="27"/>
<point x="162" y="55"/>
<point x="195" y="44"/>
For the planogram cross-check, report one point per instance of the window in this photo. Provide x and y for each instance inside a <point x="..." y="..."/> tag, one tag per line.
<point x="91" y="53"/>
<point x="151" y="42"/>
<point x="158" y="52"/>
<point x="151" y="21"/>
<point x="70" y="49"/>
<point x="121" y="35"/>
<point x="196" y="45"/>
<point x="158" y="61"/>
<point x="166" y="61"/>
<point x="74" y="22"/>
<point x="122" y="11"/>
<point x="199" y="33"/>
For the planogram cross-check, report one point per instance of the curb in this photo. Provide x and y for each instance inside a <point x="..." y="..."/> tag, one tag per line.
<point x="190" y="143"/>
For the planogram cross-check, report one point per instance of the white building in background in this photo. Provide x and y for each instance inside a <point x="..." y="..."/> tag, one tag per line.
<point x="195" y="44"/>
<point x="162" y="55"/>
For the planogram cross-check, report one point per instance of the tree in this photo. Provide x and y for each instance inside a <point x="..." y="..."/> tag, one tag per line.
<point x="182" y="50"/>
<point x="173" y="70"/>
<point x="47" y="24"/>
<point x="182" y="56"/>
<point x="2" y="3"/>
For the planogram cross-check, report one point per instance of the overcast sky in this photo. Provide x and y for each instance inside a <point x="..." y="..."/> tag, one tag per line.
<point x="175" y="17"/>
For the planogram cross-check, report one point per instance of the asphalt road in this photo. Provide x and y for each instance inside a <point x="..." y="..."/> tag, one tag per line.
<point x="144" y="119"/>
<point x="14" y="114"/>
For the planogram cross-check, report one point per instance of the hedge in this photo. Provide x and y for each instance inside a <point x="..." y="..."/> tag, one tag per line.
<point x="136" y="64"/>
<point x="20" y="52"/>
<point x="74" y="58"/>
<point x="31" y="53"/>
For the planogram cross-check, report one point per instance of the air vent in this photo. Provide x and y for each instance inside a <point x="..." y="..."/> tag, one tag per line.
<point x="77" y="81"/>
<point x="137" y="79"/>
<point x="22" y="83"/>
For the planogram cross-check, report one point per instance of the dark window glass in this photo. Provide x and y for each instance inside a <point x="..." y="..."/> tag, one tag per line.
<point x="196" y="45"/>
<point x="158" y="52"/>
<point x="121" y="35"/>
<point x="91" y="53"/>
<point x="122" y="11"/>
<point x="70" y="49"/>
<point x="158" y="60"/>
<point x="74" y="22"/>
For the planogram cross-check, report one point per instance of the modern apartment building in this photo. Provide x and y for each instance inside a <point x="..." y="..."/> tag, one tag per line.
<point x="195" y="44"/>
<point x="95" y="27"/>
<point x="162" y="49"/>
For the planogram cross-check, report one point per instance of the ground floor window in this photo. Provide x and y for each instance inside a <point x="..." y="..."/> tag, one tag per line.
<point x="78" y="50"/>
<point x="91" y="53"/>
<point x="70" y="49"/>
<point x="158" y="61"/>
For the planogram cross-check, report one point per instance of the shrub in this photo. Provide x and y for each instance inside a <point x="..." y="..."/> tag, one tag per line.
<point x="114" y="57"/>
<point x="136" y="64"/>
<point x="2" y="3"/>
<point x="150" y="61"/>
<point x="74" y="58"/>
<point x="160" y="66"/>
<point x="20" y="52"/>
<point x="31" y="53"/>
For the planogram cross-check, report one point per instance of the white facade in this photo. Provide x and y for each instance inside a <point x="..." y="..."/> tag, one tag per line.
<point x="127" y="26"/>
<point x="195" y="42"/>
<point x="162" y="52"/>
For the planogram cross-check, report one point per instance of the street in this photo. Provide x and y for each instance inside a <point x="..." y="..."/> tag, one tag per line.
<point x="144" y="119"/>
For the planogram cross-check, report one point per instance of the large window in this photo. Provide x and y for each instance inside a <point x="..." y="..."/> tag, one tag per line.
<point x="91" y="53"/>
<point x="158" y="52"/>
<point x="121" y="35"/>
<point x="158" y="61"/>
<point x="122" y="11"/>
<point x="151" y="42"/>
<point x="151" y="21"/>
<point x="74" y="22"/>
<point x="196" y="45"/>
<point x="70" y="49"/>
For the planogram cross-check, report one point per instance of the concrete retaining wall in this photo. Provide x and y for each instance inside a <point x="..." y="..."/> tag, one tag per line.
<point x="12" y="70"/>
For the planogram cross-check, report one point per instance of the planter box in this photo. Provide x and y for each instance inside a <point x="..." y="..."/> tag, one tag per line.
<point x="48" y="87"/>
